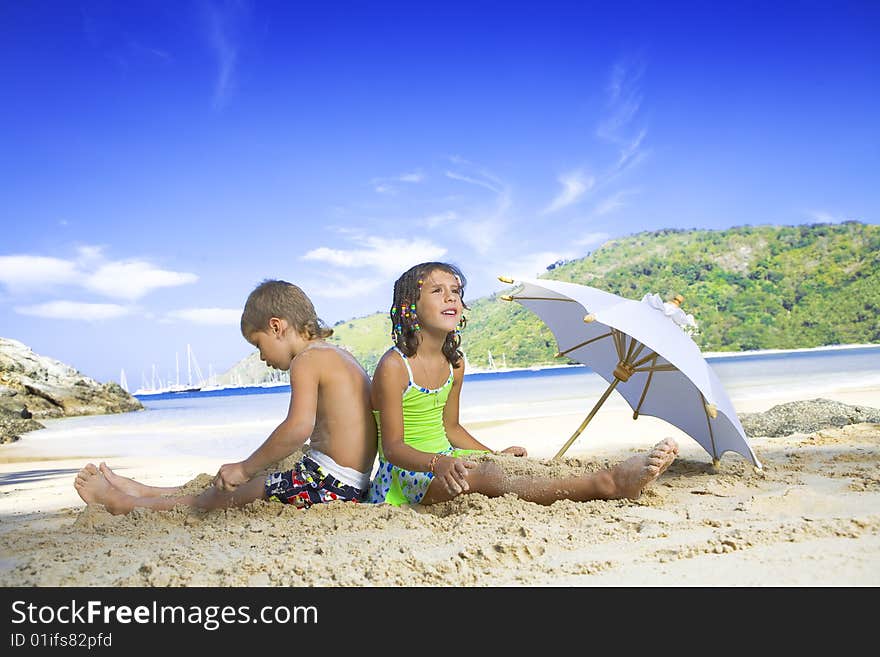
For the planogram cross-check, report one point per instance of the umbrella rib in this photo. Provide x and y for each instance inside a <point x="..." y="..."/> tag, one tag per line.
<point x="583" y="344"/>
<point x="543" y="299"/>
<point x="645" y="391"/>
<point x="658" y="368"/>
<point x="644" y="360"/>
<point x="631" y="357"/>
<point x="618" y="343"/>
<point x="629" y="352"/>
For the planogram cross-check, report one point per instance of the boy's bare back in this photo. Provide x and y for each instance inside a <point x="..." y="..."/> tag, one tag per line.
<point x="344" y="426"/>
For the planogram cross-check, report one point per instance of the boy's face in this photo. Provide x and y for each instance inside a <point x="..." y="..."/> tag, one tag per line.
<point x="440" y="302"/>
<point x="274" y="350"/>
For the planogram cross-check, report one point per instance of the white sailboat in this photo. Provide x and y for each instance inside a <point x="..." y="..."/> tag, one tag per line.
<point x="123" y="382"/>
<point x="190" y="363"/>
<point x="156" y="386"/>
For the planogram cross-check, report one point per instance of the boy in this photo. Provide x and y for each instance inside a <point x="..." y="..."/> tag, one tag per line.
<point x="329" y="407"/>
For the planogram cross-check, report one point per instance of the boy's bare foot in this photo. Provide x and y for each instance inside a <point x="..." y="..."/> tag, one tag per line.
<point x="125" y="484"/>
<point x="94" y="488"/>
<point x="633" y="475"/>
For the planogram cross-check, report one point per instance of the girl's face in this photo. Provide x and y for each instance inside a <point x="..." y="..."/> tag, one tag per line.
<point x="439" y="305"/>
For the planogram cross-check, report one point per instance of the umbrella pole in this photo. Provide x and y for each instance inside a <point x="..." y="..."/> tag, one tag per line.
<point x="588" y="418"/>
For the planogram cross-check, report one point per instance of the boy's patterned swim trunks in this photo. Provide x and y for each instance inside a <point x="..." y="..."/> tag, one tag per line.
<point x="307" y="484"/>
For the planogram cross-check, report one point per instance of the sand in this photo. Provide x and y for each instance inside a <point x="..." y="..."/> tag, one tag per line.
<point x="811" y="517"/>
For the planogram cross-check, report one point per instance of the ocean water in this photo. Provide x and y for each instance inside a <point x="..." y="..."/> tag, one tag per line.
<point x="229" y="424"/>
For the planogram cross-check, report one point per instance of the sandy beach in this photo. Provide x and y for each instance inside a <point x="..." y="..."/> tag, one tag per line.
<point x="811" y="517"/>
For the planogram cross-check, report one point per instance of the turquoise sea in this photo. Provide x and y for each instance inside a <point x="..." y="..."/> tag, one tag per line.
<point x="230" y="423"/>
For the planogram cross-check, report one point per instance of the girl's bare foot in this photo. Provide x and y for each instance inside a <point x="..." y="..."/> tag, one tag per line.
<point x="94" y="488"/>
<point x="633" y="475"/>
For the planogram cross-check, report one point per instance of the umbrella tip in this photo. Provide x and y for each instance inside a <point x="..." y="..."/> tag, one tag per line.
<point x="678" y="300"/>
<point x="506" y="297"/>
<point x="589" y="318"/>
<point x="712" y="411"/>
<point x="505" y="279"/>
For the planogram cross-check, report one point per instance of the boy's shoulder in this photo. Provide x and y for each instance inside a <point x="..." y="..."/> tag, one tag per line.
<point x="324" y="354"/>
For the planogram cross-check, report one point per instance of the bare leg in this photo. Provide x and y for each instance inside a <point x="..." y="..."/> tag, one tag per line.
<point x="132" y="487"/>
<point x="625" y="480"/>
<point x="94" y="488"/>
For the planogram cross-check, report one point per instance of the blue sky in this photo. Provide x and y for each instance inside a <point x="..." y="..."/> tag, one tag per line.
<point x="160" y="159"/>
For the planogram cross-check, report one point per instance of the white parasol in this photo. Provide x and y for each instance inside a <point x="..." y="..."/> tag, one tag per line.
<point x="644" y="352"/>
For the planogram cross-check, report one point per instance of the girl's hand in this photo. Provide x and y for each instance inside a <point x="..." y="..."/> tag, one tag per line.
<point x="516" y="451"/>
<point x="453" y="473"/>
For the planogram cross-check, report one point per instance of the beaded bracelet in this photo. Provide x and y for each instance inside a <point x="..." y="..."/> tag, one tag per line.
<point x="433" y="462"/>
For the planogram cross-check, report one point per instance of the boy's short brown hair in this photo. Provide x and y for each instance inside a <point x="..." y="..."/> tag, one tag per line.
<point x="274" y="298"/>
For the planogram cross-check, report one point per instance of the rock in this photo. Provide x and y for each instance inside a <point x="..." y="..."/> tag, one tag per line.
<point x="806" y="416"/>
<point x="36" y="387"/>
<point x="12" y="427"/>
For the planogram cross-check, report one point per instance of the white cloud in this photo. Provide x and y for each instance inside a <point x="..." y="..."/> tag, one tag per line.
<point x="631" y="153"/>
<point x="388" y="255"/>
<point x="612" y="203"/>
<point x="133" y="279"/>
<point x="492" y="184"/>
<point x="221" y="23"/>
<point x="624" y="103"/>
<point x="482" y="228"/>
<point x="530" y="265"/>
<point x="574" y="185"/>
<point x="27" y="272"/>
<point x="211" y="316"/>
<point x="119" y="279"/>
<point x="89" y="253"/>
<point x="482" y="235"/>
<point x="439" y="219"/>
<point x="341" y="286"/>
<point x="590" y="239"/>
<point x="825" y="217"/>
<point x="624" y="98"/>
<point x="382" y="187"/>
<point x="75" y="310"/>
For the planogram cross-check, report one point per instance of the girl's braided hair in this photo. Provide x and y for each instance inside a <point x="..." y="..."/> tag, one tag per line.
<point x="404" y="323"/>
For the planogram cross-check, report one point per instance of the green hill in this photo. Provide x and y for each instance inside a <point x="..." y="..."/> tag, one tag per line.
<point x="749" y="287"/>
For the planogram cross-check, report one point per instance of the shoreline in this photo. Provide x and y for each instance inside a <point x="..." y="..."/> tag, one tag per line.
<point x="799" y="350"/>
<point x="708" y="355"/>
<point x="472" y="370"/>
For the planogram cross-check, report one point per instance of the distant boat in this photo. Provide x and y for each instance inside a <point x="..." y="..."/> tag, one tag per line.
<point x="123" y="382"/>
<point x="156" y="387"/>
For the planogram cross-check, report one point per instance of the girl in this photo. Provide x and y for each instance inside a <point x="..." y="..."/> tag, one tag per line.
<point x="423" y="448"/>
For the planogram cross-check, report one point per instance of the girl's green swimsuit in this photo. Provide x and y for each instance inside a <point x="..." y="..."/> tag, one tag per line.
<point x="423" y="430"/>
